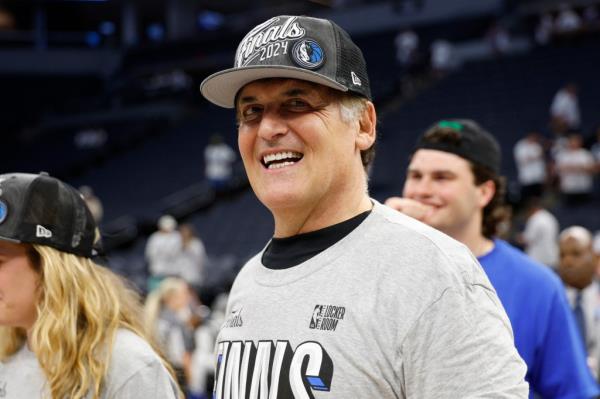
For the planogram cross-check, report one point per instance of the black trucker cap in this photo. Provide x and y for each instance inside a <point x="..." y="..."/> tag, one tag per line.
<point x="469" y="141"/>
<point x="296" y="47"/>
<point x="39" y="209"/>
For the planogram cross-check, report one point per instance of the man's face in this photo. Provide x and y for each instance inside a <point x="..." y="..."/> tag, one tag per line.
<point x="297" y="151"/>
<point x="446" y="183"/>
<point x="18" y="287"/>
<point x="577" y="264"/>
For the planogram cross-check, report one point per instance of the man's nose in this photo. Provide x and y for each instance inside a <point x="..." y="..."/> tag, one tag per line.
<point x="271" y="125"/>
<point x="422" y="188"/>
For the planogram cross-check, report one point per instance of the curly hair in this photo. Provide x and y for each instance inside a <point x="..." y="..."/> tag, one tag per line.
<point x="495" y="211"/>
<point x="81" y="305"/>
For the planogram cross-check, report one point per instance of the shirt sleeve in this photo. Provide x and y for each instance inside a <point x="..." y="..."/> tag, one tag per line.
<point x="561" y="370"/>
<point x="462" y="347"/>
<point x="150" y="382"/>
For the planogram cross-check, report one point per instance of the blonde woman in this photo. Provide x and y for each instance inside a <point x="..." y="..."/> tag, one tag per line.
<point x="69" y="328"/>
<point x="168" y="315"/>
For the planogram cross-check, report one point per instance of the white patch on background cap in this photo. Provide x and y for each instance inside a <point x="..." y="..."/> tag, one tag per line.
<point x="41" y="231"/>
<point x="308" y="54"/>
<point x="355" y="79"/>
<point x="3" y="211"/>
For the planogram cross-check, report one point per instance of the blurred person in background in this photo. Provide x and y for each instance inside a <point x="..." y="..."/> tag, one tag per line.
<point x="203" y="365"/>
<point x="544" y="29"/>
<point x="565" y="115"/>
<point x="93" y="203"/>
<point x="530" y="158"/>
<point x="578" y="268"/>
<point x="540" y="236"/>
<point x="453" y="183"/>
<point x="443" y="58"/>
<point x="410" y="61"/>
<point x="191" y="260"/>
<point x="218" y="161"/>
<point x="575" y="167"/>
<point x="407" y="49"/>
<point x="69" y="328"/>
<point x="169" y="316"/>
<point x="567" y="21"/>
<point x="162" y="249"/>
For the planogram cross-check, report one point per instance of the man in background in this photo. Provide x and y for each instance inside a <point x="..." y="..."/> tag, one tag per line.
<point x="531" y="165"/>
<point x="577" y="269"/>
<point x="453" y="183"/>
<point x="540" y="236"/>
<point x="162" y="249"/>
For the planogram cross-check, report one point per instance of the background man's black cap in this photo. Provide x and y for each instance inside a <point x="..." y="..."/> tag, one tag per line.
<point x="296" y="47"/>
<point x="464" y="138"/>
<point x="39" y="209"/>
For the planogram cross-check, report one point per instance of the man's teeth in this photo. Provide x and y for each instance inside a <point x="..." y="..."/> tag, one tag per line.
<point x="279" y="165"/>
<point x="271" y="160"/>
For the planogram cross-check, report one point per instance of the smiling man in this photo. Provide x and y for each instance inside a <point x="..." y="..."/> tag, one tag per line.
<point x="349" y="299"/>
<point x="453" y="183"/>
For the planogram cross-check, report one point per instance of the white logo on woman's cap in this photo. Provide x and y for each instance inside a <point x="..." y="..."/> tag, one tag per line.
<point x="41" y="231"/>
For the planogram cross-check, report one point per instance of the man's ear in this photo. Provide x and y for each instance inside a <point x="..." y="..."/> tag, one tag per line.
<point x="487" y="190"/>
<point x="367" y="123"/>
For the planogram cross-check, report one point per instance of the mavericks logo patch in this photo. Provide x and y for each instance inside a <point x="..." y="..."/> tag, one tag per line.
<point x="308" y="54"/>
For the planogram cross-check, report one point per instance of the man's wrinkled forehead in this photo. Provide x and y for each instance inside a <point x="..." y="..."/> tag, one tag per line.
<point x="280" y="87"/>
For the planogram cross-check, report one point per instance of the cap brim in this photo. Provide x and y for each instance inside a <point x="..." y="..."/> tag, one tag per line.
<point x="221" y="88"/>
<point x="2" y="238"/>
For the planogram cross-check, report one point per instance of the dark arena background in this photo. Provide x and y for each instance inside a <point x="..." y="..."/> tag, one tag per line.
<point x="104" y="95"/>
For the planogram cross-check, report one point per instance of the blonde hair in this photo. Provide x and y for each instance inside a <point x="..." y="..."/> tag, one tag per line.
<point x="81" y="305"/>
<point x="156" y="300"/>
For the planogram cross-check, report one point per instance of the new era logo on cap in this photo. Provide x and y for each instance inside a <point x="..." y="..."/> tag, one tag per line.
<point x="41" y="231"/>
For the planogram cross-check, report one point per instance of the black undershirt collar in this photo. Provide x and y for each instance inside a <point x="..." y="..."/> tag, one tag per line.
<point x="283" y="253"/>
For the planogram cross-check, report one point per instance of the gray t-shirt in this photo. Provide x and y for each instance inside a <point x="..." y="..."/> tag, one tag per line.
<point x="395" y="309"/>
<point x="135" y="372"/>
